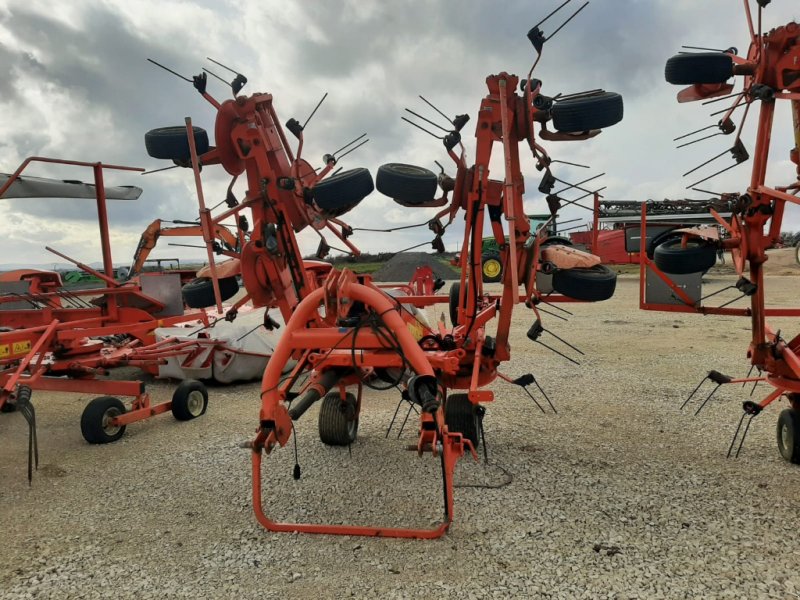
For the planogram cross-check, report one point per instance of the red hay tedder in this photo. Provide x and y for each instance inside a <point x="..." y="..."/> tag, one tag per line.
<point x="341" y="328"/>
<point x="671" y="279"/>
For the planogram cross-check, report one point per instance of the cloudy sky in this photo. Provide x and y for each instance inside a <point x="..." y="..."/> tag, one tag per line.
<point x="75" y="83"/>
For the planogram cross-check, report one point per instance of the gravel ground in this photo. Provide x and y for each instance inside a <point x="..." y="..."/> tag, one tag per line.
<point x="619" y="495"/>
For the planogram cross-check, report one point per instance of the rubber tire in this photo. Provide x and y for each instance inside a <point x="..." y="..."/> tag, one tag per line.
<point x="92" y="420"/>
<point x="589" y="285"/>
<point x="699" y="67"/>
<point x="184" y="397"/>
<point x="461" y="416"/>
<point x="172" y="143"/>
<point x="659" y="239"/>
<point x="337" y="194"/>
<point x="791" y="420"/>
<point x="797" y="253"/>
<point x="698" y="257"/>
<point x="336" y="428"/>
<point x="407" y="183"/>
<point x="491" y="256"/>
<point x="591" y="112"/>
<point x="556" y="239"/>
<point x="199" y="293"/>
<point x="455" y="292"/>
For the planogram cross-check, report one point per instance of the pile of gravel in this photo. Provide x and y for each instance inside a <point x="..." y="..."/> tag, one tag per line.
<point x="401" y="267"/>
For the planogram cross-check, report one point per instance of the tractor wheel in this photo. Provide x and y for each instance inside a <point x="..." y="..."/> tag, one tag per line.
<point x="199" y="293"/>
<point x="698" y="256"/>
<point x="586" y="113"/>
<point x="455" y="292"/>
<point x="461" y="416"/>
<point x="406" y="183"/>
<point x="189" y="400"/>
<point x="172" y="143"/>
<point x="491" y="267"/>
<point x="788" y="434"/>
<point x="337" y="194"/>
<point x="700" y="67"/>
<point x="95" y="425"/>
<point x="338" y="423"/>
<point x="588" y="285"/>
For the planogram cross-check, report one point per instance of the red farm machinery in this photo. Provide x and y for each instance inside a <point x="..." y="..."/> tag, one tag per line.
<point x="750" y="221"/>
<point x="343" y="330"/>
<point x="56" y="338"/>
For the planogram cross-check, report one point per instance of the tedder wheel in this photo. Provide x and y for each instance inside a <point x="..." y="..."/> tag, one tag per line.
<point x="797" y="253"/>
<point x="172" y="143"/>
<point x="700" y="67"/>
<point x="659" y="239"/>
<point x="589" y="285"/>
<point x="189" y="400"/>
<point x="788" y="433"/>
<point x="406" y="183"/>
<point x="588" y="112"/>
<point x="491" y="267"/>
<point x="461" y="416"/>
<point x="95" y="425"/>
<point x="199" y="293"/>
<point x="455" y="292"/>
<point x="338" y="423"/>
<point x="337" y="194"/>
<point x="699" y="255"/>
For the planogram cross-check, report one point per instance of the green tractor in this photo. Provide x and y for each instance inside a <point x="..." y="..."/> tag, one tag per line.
<point x="491" y="263"/>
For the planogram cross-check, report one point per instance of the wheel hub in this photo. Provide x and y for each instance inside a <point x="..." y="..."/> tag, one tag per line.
<point x="108" y="417"/>
<point x="491" y="268"/>
<point x="195" y="402"/>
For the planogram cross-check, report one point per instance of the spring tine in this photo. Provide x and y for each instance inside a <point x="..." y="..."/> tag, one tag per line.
<point x="552" y="314"/>
<point x="408" y="414"/>
<point x="419" y="116"/>
<point x="563" y="4"/>
<point x="755" y="383"/>
<point x="436" y="109"/>
<point x="685" y="135"/>
<point x="744" y="435"/>
<point x="350" y="143"/>
<point x="558" y="307"/>
<point x="561" y="354"/>
<point x="341" y="156"/>
<point x="735" y="435"/>
<point x="575" y="14"/>
<point x="563" y="341"/>
<point x="546" y="397"/>
<point x="313" y="112"/>
<point x="697" y="412"/>
<point x="532" y="398"/>
<point x="749" y="372"/>
<point x="720" y="172"/>
<point x="423" y="129"/>
<point x="702" y="381"/>
<point x="396" y="410"/>
<point x="720" y="155"/>
<point x="698" y="140"/>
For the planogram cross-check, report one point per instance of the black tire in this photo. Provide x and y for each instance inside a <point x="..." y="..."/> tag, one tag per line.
<point x="455" y="292"/>
<point x="8" y="407"/>
<point x="199" y="293"/>
<point x="461" y="416"/>
<point x="189" y="400"/>
<point x="659" y="239"/>
<point x="589" y="285"/>
<point x="172" y="143"/>
<point x="94" y="420"/>
<point x="698" y="256"/>
<point x="699" y="67"/>
<point x="338" y="423"/>
<point x="342" y="192"/>
<point x="788" y="435"/>
<point x="408" y="184"/>
<point x="590" y="112"/>
<point x="797" y="253"/>
<point x="491" y="267"/>
<point x="554" y="240"/>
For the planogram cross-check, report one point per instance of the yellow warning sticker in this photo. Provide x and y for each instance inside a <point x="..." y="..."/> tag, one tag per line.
<point x="4" y="351"/>
<point x="21" y="347"/>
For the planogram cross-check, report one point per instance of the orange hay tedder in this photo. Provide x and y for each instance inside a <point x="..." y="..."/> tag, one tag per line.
<point x="343" y="329"/>
<point x="770" y="74"/>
